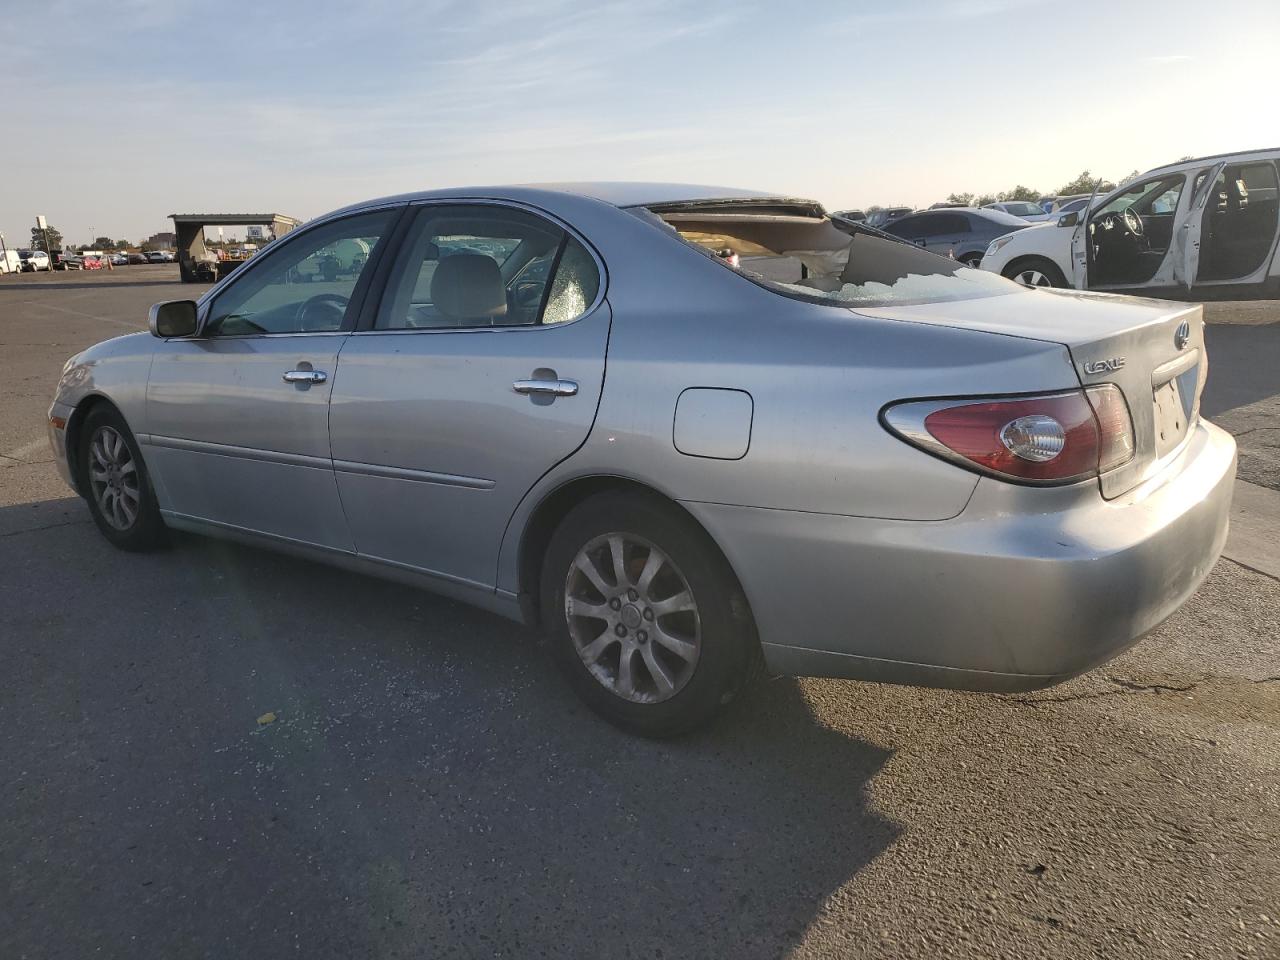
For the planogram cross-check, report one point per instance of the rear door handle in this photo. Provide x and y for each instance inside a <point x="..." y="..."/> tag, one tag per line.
<point x="556" y="388"/>
<point x="305" y="376"/>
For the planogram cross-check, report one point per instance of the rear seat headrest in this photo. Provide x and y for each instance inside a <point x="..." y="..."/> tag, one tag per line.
<point x="469" y="285"/>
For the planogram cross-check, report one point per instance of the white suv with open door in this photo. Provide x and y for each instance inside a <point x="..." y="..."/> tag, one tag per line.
<point x="1203" y="228"/>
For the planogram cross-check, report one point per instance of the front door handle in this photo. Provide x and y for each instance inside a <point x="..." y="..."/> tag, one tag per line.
<point x="555" y="388"/>
<point x="305" y="376"/>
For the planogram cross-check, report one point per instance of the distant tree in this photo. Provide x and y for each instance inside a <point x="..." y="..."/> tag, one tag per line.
<point x="1020" y="193"/>
<point x="37" y="238"/>
<point x="1084" y="184"/>
<point x="982" y="199"/>
<point x="1129" y="179"/>
<point x="873" y="208"/>
<point x="103" y="243"/>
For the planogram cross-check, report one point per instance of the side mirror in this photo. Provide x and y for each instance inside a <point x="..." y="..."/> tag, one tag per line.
<point x="1069" y="219"/>
<point x="173" y="318"/>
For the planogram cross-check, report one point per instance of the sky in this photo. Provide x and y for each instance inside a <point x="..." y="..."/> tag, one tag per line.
<point x="127" y="111"/>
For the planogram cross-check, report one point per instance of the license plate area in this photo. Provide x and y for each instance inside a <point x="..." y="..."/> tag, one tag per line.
<point x="1174" y="403"/>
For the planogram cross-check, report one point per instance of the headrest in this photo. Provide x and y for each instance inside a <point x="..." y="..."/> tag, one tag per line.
<point x="468" y="285"/>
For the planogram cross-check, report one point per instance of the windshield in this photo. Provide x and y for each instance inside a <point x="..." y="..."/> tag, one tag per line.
<point x="1023" y="209"/>
<point x="814" y="258"/>
<point x="1150" y="196"/>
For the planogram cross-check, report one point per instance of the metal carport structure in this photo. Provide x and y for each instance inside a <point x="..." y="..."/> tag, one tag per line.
<point x="189" y="228"/>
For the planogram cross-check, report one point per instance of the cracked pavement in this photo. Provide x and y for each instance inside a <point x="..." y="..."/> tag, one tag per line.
<point x="430" y="788"/>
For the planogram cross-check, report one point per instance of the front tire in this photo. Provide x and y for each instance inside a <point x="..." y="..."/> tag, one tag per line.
<point x="116" y="484"/>
<point x="646" y="619"/>
<point x="1035" y="272"/>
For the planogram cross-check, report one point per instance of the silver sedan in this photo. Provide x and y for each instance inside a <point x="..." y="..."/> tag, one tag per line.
<point x="689" y="432"/>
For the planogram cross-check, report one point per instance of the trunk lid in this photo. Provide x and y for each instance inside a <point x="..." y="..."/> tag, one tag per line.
<point x="1153" y="350"/>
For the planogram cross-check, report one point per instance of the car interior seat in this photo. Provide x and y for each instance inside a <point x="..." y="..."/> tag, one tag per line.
<point x="467" y="288"/>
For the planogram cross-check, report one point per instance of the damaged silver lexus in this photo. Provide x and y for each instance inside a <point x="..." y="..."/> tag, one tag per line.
<point x="688" y="432"/>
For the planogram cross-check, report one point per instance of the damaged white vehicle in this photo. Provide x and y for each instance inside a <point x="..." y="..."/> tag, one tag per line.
<point x="1204" y="228"/>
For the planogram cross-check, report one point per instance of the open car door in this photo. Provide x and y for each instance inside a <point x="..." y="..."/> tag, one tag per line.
<point x="1080" y="244"/>
<point x="1187" y="261"/>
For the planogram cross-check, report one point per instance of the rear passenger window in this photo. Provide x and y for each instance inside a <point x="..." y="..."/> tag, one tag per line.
<point x="908" y="227"/>
<point x="486" y="266"/>
<point x="575" y="287"/>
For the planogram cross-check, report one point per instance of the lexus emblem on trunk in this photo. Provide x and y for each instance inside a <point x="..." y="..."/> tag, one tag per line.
<point x="1102" y="366"/>
<point x="1183" y="335"/>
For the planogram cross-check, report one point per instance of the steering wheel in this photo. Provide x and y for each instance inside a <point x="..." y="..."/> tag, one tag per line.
<point x="322" y="313"/>
<point x="1121" y="224"/>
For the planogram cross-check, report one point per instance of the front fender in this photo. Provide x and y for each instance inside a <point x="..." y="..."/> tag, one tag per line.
<point x="114" y="371"/>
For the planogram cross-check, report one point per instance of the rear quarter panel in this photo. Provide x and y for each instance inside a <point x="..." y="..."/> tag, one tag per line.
<point x="818" y="377"/>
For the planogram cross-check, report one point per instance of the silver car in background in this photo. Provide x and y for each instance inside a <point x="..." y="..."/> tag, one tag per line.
<point x="690" y="432"/>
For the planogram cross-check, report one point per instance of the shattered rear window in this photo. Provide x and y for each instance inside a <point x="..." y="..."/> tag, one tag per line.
<point x="807" y="256"/>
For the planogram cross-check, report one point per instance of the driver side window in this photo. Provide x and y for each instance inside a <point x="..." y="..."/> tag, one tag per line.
<point x="305" y="286"/>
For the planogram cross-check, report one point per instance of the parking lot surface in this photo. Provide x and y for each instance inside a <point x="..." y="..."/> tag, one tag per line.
<point x="429" y="787"/>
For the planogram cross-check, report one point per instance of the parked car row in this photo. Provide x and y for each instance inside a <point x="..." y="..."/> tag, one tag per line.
<point x="23" y="261"/>
<point x="97" y="259"/>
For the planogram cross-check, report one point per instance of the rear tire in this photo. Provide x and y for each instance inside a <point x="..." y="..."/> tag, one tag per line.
<point x="116" y="485"/>
<point x="659" y="648"/>
<point x="1035" y="272"/>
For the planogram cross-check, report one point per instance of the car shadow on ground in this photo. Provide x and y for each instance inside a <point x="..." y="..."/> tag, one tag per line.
<point x="425" y="783"/>
<point x="1252" y="355"/>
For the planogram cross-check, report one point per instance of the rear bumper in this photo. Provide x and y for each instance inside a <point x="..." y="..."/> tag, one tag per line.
<point x="1025" y="588"/>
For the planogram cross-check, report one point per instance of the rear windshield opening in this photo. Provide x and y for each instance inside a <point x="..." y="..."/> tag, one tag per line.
<point x="808" y="256"/>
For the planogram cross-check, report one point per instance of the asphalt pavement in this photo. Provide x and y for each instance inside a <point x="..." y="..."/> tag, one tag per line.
<point x="217" y="751"/>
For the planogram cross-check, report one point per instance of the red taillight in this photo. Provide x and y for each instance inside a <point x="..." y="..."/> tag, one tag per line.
<point x="1056" y="438"/>
<point x="977" y="431"/>
<point x="1115" y="426"/>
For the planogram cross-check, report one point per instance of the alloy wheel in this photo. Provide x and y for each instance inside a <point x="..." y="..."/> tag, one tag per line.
<point x="632" y="618"/>
<point x="113" y="478"/>
<point x="1032" y="278"/>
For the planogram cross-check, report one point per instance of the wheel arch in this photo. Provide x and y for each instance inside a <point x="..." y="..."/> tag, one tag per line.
<point x="555" y="506"/>
<point x="75" y="423"/>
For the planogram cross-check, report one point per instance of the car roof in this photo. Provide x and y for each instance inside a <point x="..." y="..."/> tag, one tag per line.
<point x="1233" y="155"/>
<point x="615" y="193"/>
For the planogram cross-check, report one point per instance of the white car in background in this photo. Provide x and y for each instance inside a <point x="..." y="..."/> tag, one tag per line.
<point x="33" y="260"/>
<point x="1019" y="208"/>
<point x="10" y="262"/>
<point x="1206" y="228"/>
